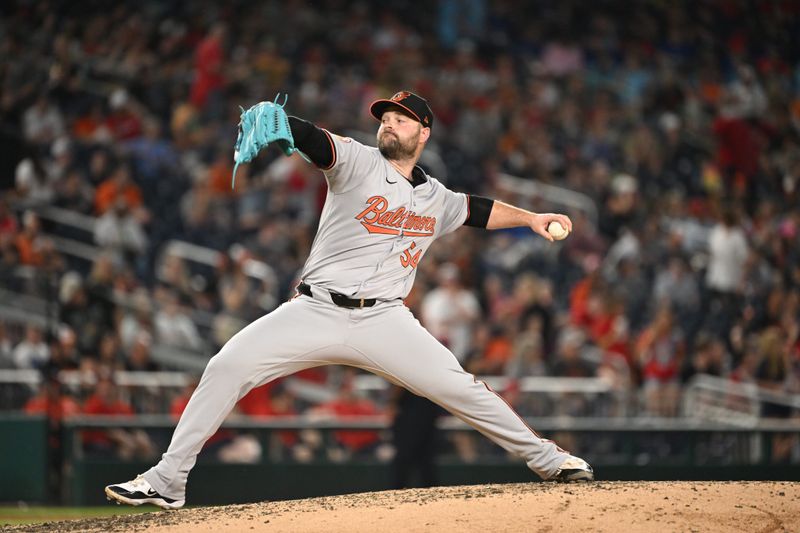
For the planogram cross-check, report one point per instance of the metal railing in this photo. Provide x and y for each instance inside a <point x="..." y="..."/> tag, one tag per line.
<point x="211" y="258"/>
<point x="158" y="388"/>
<point x="627" y="441"/>
<point x="551" y="193"/>
<point x="711" y="398"/>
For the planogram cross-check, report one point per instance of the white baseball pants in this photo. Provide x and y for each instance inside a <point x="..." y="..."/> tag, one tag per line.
<point x="384" y="339"/>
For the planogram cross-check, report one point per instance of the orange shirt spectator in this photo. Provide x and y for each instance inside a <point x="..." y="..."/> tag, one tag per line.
<point x="219" y="176"/>
<point x="495" y="355"/>
<point x="119" y="184"/>
<point x="579" y="301"/>
<point x="29" y="240"/>
<point x="29" y="253"/>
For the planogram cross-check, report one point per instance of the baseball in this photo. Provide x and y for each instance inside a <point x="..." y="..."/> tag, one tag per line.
<point x="558" y="231"/>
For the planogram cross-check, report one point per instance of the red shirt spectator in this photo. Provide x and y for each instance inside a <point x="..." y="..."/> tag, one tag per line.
<point x="124" y="122"/>
<point x="56" y="407"/>
<point x="739" y="149"/>
<point x="208" y="67"/>
<point x="104" y="402"/>
<point x="660" y="348"/>
<point x="269" y="401"/>
<point x="347" y="406"/>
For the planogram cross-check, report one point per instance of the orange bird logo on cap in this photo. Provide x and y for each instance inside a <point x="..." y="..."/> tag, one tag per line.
<point x="402" y="95"/>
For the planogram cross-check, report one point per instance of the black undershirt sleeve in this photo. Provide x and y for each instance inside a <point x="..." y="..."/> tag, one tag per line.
<point x="478" y="211"/>
<point x="313" y="141"/>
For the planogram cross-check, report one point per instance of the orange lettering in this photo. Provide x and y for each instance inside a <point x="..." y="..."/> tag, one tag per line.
<point x="377" y="205"/>
<point x="398" y="217"/>
<point x="385" y="218"/>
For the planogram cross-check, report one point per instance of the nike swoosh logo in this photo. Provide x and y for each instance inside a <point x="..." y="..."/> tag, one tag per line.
<point x="387" y="181"/>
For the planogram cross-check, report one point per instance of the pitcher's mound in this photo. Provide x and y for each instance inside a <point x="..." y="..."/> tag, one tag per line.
<point x="524" y="507"/>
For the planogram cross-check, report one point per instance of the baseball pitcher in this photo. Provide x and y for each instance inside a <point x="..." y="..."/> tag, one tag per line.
<point x="381" y="215"/>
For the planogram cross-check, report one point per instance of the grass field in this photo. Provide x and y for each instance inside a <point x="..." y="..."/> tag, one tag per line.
<point x="18" y="515"/>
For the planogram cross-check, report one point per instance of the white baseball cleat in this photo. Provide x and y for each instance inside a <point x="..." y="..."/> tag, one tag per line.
<point x="139" y="491"/>
<point x="574" y="469"/>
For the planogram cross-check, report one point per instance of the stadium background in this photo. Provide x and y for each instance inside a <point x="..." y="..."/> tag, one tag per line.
<point x="660" y="340"/>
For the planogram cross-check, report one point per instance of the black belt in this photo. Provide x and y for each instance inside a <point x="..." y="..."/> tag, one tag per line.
<point x="339" y="299"/>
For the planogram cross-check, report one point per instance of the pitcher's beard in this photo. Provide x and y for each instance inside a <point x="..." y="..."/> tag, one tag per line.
<point x="391" y="148"/>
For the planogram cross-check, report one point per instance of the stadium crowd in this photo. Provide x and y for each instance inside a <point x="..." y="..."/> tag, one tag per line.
<point x="680" y="121"/>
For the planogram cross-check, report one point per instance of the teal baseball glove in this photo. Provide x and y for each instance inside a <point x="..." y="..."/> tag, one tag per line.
<point x="262" y="124"/>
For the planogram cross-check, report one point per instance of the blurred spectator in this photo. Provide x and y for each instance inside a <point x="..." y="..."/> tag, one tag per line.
<point x="124" y="122"/>
<point x="609" y="328"/>
<point x="8" y="222"/>
<point x="99" y="299"/>
<point x="87" y="321"/>
<point x="533" y="297"/>
<point x="347" y="405"/>
<point x="119" y="231"/>
<point x="30" y="241"/>
<point x="528" y="358"/>
<point x="660" y="351"/>
<point x="710" y="358"/>
<point x="34" y="185"/>
<point x="620" y="207"/>
<point x="449" y="311"/>
<point x="208" y="72"/>
<point x="747" y="97"/>
<point x="74" y="193"/>
<point x="53" y="400"/>
<point x="119" y="185"/>
<point x="153" y="156"/>
<point x="773" y="370"/>
<point x="100" y="166"/>
<point x="173" y="326"/>
<point x="6" y="348"/>
<point x="275" y="400"/>
<point x="726" y="270"/>
<point x="65" y="354"/>
<point x="32" y="351"/>
<point x="125" y="444"/>
<point x="675" y="286"/>
<point x="139" y="359"/>
<point x="571" y="361"/>
<point x="228" y="322"/>
<point x="109" y="352"/>
<point x="138" y="318"/>
<point x="43" y="121"/>
<point x="495" y="353"/>
<point x="174" y="273"/>
<point x="90" y="127"/>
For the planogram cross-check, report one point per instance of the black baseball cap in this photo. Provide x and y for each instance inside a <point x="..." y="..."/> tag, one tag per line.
<point x="417" y="106"/>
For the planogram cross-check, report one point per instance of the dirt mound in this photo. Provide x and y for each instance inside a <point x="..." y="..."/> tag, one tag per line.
<point x="524" y="507"/>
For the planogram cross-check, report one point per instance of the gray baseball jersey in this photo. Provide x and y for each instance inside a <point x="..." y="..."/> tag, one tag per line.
<point x="375" y="226"/>
<point x="374" y="230"/>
